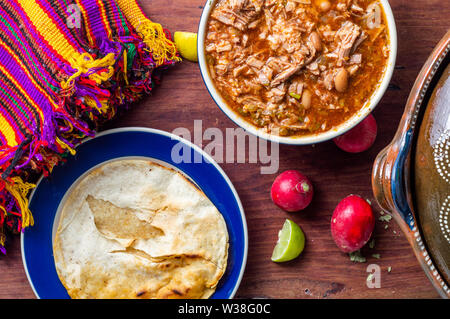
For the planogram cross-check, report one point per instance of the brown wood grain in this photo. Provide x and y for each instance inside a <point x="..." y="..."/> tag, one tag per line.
<point x="321" y="271"/>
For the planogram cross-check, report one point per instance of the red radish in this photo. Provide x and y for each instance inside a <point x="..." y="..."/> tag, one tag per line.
<point x="292" y="191"/>
<point x="352" y="223"/>
<point x="359" y="138"/>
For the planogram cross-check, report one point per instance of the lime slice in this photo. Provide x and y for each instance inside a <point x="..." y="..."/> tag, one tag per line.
<point x="186" y="43"/>
<point x="290" y="244"/>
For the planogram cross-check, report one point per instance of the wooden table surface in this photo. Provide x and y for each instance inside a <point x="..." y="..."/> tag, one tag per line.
<point x="322" y="271"/>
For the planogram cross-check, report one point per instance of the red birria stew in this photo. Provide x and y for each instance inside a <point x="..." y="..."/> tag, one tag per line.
<point x="296" y="67"/>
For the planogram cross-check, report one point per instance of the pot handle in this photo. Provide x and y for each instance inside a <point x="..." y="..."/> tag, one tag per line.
<point x="398" y="185"/>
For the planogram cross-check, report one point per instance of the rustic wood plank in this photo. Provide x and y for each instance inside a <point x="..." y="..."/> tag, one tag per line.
<point x="322" y="271"/>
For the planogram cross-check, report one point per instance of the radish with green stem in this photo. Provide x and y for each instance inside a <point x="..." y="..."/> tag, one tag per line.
<point x="292" y="191"/>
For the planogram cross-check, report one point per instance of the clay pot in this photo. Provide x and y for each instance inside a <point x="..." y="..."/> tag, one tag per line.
<point x="411" y="176"/>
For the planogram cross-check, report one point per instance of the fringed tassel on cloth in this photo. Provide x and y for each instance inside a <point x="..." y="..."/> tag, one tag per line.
<point x="14" y="211"/>
<point x="157" y="39"/>
<point x="58" y="84"/>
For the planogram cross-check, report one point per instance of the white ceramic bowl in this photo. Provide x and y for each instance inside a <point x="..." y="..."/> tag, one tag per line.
<point x="307" y="139"/>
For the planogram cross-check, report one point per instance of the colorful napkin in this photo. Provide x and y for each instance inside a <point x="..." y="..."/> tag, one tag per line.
<point x="66" y="66"/>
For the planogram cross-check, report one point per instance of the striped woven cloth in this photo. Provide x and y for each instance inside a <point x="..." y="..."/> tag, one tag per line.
<point x="66" y="67"/>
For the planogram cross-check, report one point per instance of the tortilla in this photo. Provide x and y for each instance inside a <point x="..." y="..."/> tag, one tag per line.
<point x="136" y="229"/>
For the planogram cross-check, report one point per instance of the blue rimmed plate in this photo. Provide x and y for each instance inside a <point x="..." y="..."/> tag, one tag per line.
<point x="36" y="241"/>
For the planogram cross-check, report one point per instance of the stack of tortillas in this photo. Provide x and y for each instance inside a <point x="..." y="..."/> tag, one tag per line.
<point x="135" y="229"/>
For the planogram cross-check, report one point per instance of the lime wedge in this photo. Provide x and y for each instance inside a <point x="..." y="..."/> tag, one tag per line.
<point x="290" y="244"/>
<point x="186" y="43"/>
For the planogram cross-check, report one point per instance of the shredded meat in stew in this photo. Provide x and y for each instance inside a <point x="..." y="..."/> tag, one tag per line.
<point x="296" y="67"/>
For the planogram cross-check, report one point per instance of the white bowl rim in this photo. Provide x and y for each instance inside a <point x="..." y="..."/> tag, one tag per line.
<point x="307" y="139"/>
